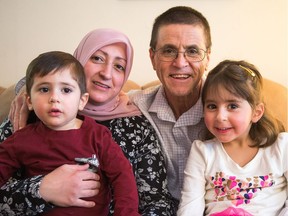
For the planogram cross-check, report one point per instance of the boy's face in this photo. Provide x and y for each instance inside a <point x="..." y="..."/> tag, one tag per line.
<point x="56" y="99"/>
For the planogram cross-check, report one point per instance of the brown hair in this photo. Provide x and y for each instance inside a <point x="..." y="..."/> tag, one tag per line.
<point x="51" y="62"/>
<point x="242" y="79"/>
<point x="180" y="15"/>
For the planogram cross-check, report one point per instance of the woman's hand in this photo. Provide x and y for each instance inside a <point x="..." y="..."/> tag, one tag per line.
<point x="19" y="112"/>
<point x="68" y="184"/>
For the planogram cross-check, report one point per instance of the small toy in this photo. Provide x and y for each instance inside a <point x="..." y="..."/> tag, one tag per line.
<point x="92" y="161"/>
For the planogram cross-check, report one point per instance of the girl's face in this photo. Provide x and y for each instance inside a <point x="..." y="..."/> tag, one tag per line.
<point x="228" y="117"/>
<point x="105" y="73"/>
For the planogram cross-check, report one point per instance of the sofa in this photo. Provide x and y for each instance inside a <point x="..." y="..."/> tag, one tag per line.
<point x="275" y="97"/>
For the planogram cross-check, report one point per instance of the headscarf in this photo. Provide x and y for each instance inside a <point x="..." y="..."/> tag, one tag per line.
<point x="119" y="106"/>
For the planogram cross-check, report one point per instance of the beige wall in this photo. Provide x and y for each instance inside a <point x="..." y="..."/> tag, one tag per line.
<point x="253" y="30"/>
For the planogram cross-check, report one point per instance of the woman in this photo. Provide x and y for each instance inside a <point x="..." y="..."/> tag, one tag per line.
<point x="106" y="56"/>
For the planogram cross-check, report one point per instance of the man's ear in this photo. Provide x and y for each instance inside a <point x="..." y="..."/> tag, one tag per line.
<point x="208" y="59"/>
<point x="152" y="55"/>
<point x="83" y="101"/>
<point x="28" y="102"/>
<point x="258" y="112"/>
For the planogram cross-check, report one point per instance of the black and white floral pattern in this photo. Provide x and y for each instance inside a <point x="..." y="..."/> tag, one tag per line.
<point x="22" y="197"/>
<point x="6" y="130"/>
<point x="140" y="144"/>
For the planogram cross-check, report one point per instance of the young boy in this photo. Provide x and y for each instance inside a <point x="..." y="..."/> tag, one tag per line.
<point x="56" y="89"/>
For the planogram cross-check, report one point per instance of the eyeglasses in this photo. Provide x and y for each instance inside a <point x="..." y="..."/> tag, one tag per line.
<point x="169" y="54"/>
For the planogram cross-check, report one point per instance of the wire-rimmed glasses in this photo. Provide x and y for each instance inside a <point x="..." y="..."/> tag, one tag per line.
<point x="168" y="54"/>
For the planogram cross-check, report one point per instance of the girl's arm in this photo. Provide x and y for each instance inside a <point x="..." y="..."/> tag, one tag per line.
<point x="193" y="192"/>
<point x="284" y="145"/>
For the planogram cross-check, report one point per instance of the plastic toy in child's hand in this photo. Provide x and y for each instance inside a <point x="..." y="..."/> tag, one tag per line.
<point x="92" y="161"/>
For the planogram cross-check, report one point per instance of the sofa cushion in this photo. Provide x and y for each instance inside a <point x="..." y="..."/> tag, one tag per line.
<point x="6" y="98"/>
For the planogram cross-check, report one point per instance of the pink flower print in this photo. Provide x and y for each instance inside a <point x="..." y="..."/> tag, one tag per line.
<point x="231" y="184"/>
<point x="232" y="212"/>
<point x="237" y="202"/>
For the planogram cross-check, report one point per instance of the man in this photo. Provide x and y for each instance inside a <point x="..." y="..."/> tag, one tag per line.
<point x="179" y="51"/>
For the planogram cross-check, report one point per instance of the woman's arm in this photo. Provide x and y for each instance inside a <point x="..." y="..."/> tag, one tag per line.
<point x="140" y="144"/>
<point x="20" y="197"/>
<point x="151" y="176"/>
<point x="34" y="195"/>
<point x="62" y="187"/>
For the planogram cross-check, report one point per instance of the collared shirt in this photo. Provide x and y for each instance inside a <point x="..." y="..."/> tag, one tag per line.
<point x="176" y="136"/>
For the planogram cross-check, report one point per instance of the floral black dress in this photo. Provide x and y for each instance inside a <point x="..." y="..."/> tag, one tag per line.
<point x="140" y="144"/>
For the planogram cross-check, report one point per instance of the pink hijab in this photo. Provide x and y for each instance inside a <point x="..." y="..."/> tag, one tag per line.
<point x="119" y="106"/>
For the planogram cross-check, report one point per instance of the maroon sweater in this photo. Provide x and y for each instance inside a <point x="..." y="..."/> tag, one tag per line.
<point x="40" y="150"/>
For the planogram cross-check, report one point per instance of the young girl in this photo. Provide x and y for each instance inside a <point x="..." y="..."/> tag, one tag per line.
<point x="243" y="169"/>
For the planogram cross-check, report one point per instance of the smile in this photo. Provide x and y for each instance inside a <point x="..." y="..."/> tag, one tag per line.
<point x="101" y="85"/>
<point x="180" y="76"/>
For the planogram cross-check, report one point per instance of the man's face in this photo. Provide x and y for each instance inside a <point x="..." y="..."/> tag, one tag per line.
<point x="180" y="77"/>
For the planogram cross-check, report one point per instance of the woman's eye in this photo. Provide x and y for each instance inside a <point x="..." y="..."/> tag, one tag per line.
<point x="120" y="67"/>
<point x="97" y="59"/>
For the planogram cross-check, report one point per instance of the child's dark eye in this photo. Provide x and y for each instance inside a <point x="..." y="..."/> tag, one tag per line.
<point x="44" y="90"/>
<point x="211" y="106"/>
<point x="232" y="106"/>
<point x="67" y="90"/>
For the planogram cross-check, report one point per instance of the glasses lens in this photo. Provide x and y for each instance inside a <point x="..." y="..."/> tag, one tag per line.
<point x="169" y="54"/>
<point x="194" y="54"/>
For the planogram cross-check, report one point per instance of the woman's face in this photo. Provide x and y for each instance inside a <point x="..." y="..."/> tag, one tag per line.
<point x="105" y="73"/>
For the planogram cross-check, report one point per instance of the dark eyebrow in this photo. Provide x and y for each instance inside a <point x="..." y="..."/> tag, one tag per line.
<point x="192" y="47"/>
<point x="106" y="54"/>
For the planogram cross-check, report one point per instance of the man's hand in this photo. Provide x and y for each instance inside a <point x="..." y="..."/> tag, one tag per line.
<point x="19" y="112"/>
<point x="68" y="184"/>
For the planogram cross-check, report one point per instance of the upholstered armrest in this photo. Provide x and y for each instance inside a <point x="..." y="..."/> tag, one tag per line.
<point x="275" y="97"/>
<point x="6" y="97"/>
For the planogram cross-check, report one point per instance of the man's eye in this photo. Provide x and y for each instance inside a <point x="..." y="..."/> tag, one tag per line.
<point x="192" y="51"/>
<point x="169" y="51"/>
<point x="67" y="90"/>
